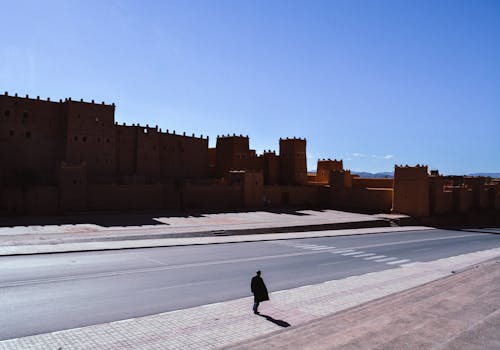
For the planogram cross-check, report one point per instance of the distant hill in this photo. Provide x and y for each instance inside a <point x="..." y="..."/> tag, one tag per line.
<point x="387" y="174"/>
<point x="493" y="175"/>
<point x="390" y="174"/>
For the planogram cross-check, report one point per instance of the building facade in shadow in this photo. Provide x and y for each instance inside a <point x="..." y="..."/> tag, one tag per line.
<point x="69" y="156"/>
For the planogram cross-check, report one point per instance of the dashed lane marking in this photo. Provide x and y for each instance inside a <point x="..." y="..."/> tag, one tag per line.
<point x="376" y="257"/>
<point x="386" y="259"/>
<point x="352" y="253"/>
<point x="363" y="255"/>
<point x="402" y="261"/>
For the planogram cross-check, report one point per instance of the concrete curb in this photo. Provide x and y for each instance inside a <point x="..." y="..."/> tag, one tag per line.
<point x="187" y="241"/>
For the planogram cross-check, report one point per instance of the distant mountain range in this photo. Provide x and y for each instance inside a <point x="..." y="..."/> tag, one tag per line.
<point x="386" y="174"/>
<point x="493" y="175"/>
<point x="390" y="174"/>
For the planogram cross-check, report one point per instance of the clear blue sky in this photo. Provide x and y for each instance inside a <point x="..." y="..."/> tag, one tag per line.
<point x="373" y="82"/>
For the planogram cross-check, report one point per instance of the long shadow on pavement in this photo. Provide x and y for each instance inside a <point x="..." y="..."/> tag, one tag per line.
<point x="280" y="323"/>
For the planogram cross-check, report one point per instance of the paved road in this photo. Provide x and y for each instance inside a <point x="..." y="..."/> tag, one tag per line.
<point x="45" y="293"/>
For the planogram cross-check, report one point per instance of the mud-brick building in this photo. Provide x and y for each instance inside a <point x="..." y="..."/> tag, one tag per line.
<point x="71" y="155"/>
<point x="67" y="155"/>
<point x="420" y="193"/>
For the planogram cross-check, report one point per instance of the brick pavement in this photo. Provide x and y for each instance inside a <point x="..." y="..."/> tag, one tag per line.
<point x="232" y="322"/>
<point x="459" y="312"/>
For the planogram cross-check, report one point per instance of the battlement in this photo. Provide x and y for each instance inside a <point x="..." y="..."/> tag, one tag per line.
<point x="292" y="139"/>
<point x="410" y="172"/>
<point x="147" y="129"/>
<point x="329" y="160"/>
<point x="410" y="166"/>
<point x="228" y="136"/>
<point x="67" y="99"/>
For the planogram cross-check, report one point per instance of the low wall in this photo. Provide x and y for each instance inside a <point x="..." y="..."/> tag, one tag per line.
<point x="295" y="195"/>
<point x="361" y="182"/>
<point x="42" y="200"/>
<point x="33" y="200"/>
<point x="214" y="196"/>
<point x="123" y="197"/>
<point x="443" y="203"/>
<point x="373" y="199"/>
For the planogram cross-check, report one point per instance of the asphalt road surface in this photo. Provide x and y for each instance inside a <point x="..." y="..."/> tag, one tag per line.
<point x="45" y="293"/>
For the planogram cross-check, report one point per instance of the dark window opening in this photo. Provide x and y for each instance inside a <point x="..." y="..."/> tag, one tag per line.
<point x="74" y="182"/>
<point x="7" y="113"/>
<point x="98" y="139"/>
<point x="107" y="140"/>
<point x="25" y="115"/>
<point x="76" y="138"/>
<point x="84" y="139"/>
<point x="28" y="134"/>
<point x="11" y="132"/>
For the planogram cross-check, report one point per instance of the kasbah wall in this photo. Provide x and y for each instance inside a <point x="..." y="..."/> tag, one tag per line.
<point x="70" y="156"/>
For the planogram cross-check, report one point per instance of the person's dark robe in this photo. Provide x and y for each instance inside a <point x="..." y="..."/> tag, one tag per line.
<point x="259" y="289"/>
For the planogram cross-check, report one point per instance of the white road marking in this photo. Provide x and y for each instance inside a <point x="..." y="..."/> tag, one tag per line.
<point x="375" y="257"/>
<point x="345" y="254"/>
<point x="332" y="263"/>
<point x="398" y="262"/>
<point x="343" y="251"/>
<point x="386" y="259"/>
<point x="363" y="255"/>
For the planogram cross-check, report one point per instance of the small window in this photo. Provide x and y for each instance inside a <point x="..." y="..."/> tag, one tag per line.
<point x="145" y="130"/>
<point x="98" y="139"/>
<point x="11" y="132"/>
<point x="7" y="112"/>
<point x="97" y="120"/>
<point x="74" y="182"/>
<point x="25" y="115"/>
<point x="84" y="139"/>
<point x="107" y="140"/>
<point x="76" y="138"/>
<point x="28" y="134"/>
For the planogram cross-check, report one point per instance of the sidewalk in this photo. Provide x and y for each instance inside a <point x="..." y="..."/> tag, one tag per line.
<point x="458" y="310"/>
<point x="200" y="229"/>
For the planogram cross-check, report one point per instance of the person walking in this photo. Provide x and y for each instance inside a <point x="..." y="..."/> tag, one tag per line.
<point x="259" y="291"/>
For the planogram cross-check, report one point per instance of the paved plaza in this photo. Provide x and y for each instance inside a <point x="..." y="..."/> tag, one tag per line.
<point x="185" y="230"/>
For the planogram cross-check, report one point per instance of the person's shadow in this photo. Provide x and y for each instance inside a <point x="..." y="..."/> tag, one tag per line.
<point x="280" y="323"/>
